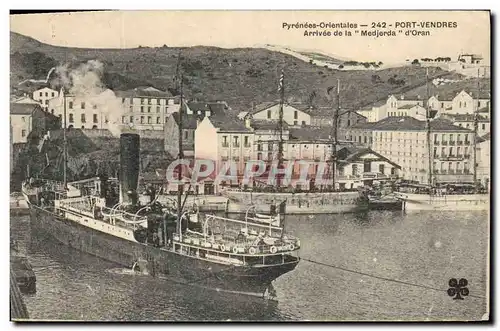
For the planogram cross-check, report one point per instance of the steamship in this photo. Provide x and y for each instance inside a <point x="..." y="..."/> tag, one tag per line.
<point x="105" y="218"/>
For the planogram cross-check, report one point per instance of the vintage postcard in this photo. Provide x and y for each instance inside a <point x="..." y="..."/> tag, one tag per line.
<point x="250" y="166"/>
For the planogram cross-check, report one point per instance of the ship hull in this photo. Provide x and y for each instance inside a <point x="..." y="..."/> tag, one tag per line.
<point x="297" y="203"/>
<point x="160" y="263"/>
<point x="465" y="202"/>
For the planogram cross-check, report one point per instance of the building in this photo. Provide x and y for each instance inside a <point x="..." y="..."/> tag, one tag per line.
<point x="146" y="108"/>
<point x="295" y="114"/>
<point x="266" y="138"/>
<point x="393" y="106"/>
<point x="21" y="121"/>
<point x="210" y="108"/>
<point x="323" y="116"/>
<point x="467" y="121"/>
<point x="189" y="124"/>
<point x="483" y="158"/>
<point x="43" y="96"/>
<point x="403" y="140"/>
<point x="359" y="166"/>
<point x="468" y="103"/>
<point x="470" y="58"/>
<point x="25" y="99"/>
<point x="221" y="139"/>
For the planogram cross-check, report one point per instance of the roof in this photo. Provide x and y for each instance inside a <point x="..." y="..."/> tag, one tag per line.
<point x="486" y="136"/>
<point x="217" y="107"/>
<point x="228" y="124"/>
<point x="145" y="92"/>
<point x="310" y="133"/>
<point x="484" y="110"/>
<point x="466" y="118"/>
<point x="188" y="121"/>
<point x="266" y="124"/>
<point x="379" y="103"/>
<point x="353" y="152"/>
<point x="268" y="104"/>
<point x="23" y="108"/>
<point x="407" y="123"/>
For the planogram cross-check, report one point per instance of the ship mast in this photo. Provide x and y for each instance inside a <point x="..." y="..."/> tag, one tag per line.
<point x="181" y="156"/>
<point x="335" y="134"/>
<point x="65" y="152"/>
<point x="474" y="140"/>
<point x="428" y="130"/>
<point x="280" y="124"/>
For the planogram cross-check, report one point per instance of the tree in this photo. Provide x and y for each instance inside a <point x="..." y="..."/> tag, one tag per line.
<point x="415" y="61"/>
<point x="341" y="66"/>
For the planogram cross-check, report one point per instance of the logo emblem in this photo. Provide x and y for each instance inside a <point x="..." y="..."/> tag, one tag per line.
<point x="458" y="288"/>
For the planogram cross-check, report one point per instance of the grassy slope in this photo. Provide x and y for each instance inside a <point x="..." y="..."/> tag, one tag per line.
<point x="239" y="76"/>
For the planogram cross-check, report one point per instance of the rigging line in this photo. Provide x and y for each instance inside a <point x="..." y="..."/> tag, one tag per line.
<point x="384" y="278"/>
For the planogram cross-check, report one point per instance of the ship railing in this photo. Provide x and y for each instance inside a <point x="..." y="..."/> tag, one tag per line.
<point x="237" y="254"/>
<point x="115" y="214"/>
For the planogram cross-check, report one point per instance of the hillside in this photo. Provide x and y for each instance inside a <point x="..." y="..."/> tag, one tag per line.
<point x="240" y="76"/>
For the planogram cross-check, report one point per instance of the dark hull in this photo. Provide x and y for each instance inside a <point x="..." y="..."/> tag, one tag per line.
<point x="252" y="280"/>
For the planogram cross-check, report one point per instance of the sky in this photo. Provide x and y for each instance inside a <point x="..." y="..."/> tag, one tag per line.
<point x="230" y="29"/>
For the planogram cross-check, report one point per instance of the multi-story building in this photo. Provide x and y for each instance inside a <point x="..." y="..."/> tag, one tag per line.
<point x="210" y="108"/>
<point x="86" y="111"/>
<point x="43" y="96"/>
<point x="393" y="106"/>
<point x="21" y="121"/>
<point x="467" y="121"/>
<point x="403" y="140"/>
<point x="189" y="124"/>
<point x="483" y="160"/>
<point x="146" y="108"/>
<point x="266" y="139"/>
<point x="463" y="102"/>
<point x="222" y="139"/>
<point x="323" y="116"/>
<point x="294" y="114"/>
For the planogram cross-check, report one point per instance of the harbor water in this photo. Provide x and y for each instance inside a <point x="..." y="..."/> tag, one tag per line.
<point x="425" y="249"/>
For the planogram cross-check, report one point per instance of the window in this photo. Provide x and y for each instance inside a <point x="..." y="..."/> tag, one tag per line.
<point x="131" y="101"/>
<point x="94" y="118"/>
<point x="123" y="100"/>
<point x="269" y="113"/>
<point x="270" y="155"/>
<point x="83" y="105"/>
<point x="149" y="119"/>
<point x="71" y="118"/>
<point x="142" y="101"/>
<point x="442" y="104"/>
<point x="451" y="151"/>
<point x="483" y="126"/>
<point x="365" y="140"/>
<point x="246" y="142"/>
<point x="47" y="102"/>
<point x="158" y="120"/>
<point x="150" y="101"/>
<point x="185" y="134"/>
<point x="295" y="122"/>
<point x="52" y="111"/>
<point x="41" y="94"/>
<point x="142" y="119"/>
<point x="23" y="119"/>
<point x="303" y="122"/>
<point x="157" y="109"/>
<point x="435" y="151"/>
<point x="123" y="119"/>
<point x="23" y="133"/>
<point x="259" y="147"/>
<point x="435" y="138"/>
<point x="465" y="104"/>
<point x="106" y="119"/>
<point x="259" y="156"/>
<point x="70" y="105"/>
<point x="348" y="122"/>
<point x="142" y="109"/>
<point x="224" y="141"/>
<point x="131" y="119"/>
<point x="46" y="94"/>
<point x="236" y="143"/>
<point x="270" y="146"/>
<point x="295" y="114"/>
<point x="354" y="169"/>
<point x="149" y="109"/>
<point x="82" y="118"/>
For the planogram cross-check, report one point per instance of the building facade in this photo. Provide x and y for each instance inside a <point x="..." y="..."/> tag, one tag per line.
<point x="146" y="108"/>
<point x="393" y="106"/>
<point x="21" y="121"/>
<point x="293" y="114"/>
<point x="403" y="140"/>
<point x="189" y="124"/>
<point x="43" y="96"/>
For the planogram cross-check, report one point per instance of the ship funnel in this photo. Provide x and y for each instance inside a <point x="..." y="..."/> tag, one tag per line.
<point x="129" y="168"/>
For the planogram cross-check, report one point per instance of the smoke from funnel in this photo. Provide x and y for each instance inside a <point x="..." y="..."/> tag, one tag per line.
<point x="129" y="167"/>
